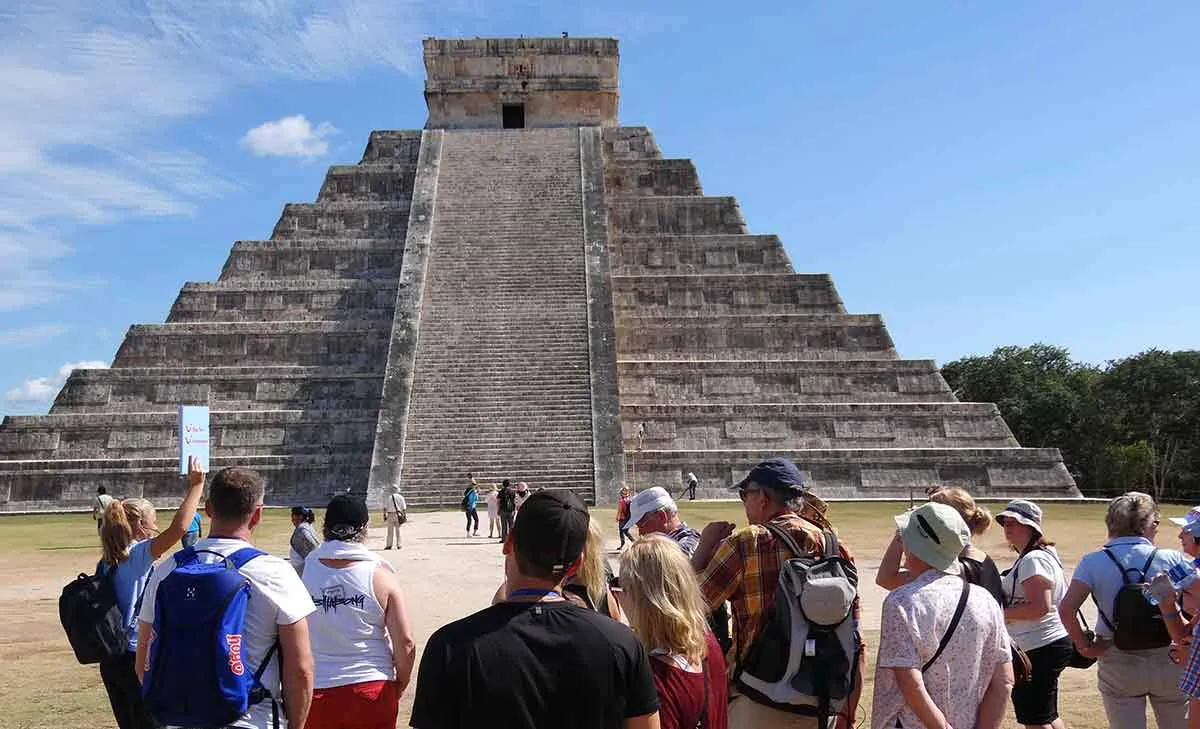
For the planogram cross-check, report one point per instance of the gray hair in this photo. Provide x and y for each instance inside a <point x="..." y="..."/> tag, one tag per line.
<point x="1130" y="515"/>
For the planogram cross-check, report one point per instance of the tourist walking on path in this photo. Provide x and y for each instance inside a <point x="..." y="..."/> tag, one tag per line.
<point x="193" y="532"/>
<point x="743" y="567"/>
<point x="653" y="511"/>
<point x="666" y="611"/>
<point x="546" y="661"/>
<point x="1033" y="587"/>
<point x="1130" y="673"/>
<point x="470" y="504"/>
<point x="304" y="538"/>
<point x="623" y="504"/>
<point x="99" y="506"/>
<point x="506" y="500"/>
<point x="276" y="631"/>
<point x="978" y="567"/>
<point x="944" y="657"/>
<point x="131" y="543"/>
<point x="361" y="639"/>
<point x="493" y="511"/>
<point x="395" y="515"/>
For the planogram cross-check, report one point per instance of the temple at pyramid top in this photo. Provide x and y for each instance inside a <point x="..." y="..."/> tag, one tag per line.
<point x="521" y="289"/>
<point x="521" y="83"/>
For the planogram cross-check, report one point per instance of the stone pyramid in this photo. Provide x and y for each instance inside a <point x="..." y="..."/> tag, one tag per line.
<point x="523" y="289"/>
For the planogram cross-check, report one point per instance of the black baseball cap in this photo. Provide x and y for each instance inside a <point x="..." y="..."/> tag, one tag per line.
<point x="774" y="473"/>
<point x="346" y="515"/>
<point x="551" y="530"/>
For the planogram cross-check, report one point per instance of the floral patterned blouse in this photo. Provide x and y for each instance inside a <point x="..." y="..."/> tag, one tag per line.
<point x="915" y="618"/>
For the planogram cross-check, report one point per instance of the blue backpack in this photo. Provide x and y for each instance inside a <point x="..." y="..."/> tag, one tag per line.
<point x="197" y="674"/>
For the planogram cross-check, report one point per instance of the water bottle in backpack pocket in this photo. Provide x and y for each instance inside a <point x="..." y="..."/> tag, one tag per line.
<point x="805" y="659"/>
<point x="197" y="674"/>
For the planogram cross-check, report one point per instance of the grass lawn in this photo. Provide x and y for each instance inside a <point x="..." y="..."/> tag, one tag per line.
<point x="42" y="687"/>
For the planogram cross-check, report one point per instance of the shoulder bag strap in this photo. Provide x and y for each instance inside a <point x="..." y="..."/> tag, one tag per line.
<point x="831" y="543"/>
<point x="1123" y="568"/>
<point x="958" y="613"/>
<point x="702" y="723"/>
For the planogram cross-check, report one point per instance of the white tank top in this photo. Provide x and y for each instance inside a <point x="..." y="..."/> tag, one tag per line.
<point x="347" y="632"/>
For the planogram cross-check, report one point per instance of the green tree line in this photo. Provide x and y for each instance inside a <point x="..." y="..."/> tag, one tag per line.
<point x="1133" y="423"/>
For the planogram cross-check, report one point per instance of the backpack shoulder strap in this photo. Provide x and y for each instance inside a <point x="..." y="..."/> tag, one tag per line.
<point x="1146" y="568"/>
<point x="1123" y="568"/>
<point x="785" y="538"/>
<point x="239" y="558"/>
<point x="954" y="621"/>
<point x="831" y="543"/>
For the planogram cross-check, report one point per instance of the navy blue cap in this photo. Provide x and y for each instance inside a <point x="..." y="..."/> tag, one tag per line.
<point x="774" y="473"/>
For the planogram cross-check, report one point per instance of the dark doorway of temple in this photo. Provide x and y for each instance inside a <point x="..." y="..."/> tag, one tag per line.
<point x="514" y="116"/>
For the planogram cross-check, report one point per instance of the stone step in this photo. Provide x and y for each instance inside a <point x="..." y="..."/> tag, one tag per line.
<point x="782" y="380"/>
<point x="799" y="336"/>
<point x="741" y="294"/>
<point x="628" y="143"/>
<point x="683" y="215"/>
<point x="314" y="258"/>
<point x="636" y="255"/>
<point x="284" y="300"/>
<point x="650" y="177"/>
<point x="826" y="425"/>
<point x="355" y="344"/>
<point x="149" y="435"/>
<point x="446" y="498"/>
<point x="508" y="227"/>
<point x="396" y="146"/>
<point x="304" y="480"/>
<point x="375" y="182"/>
<point x="162" y="389"/>
<point x="869" y="472"/>
<point x="343" y="219"/>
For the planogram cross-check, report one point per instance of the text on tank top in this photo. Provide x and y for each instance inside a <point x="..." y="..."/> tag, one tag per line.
<point x="348" y="634"/>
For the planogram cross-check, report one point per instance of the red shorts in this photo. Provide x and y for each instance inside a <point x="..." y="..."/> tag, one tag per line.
<point x="368" y="705"/>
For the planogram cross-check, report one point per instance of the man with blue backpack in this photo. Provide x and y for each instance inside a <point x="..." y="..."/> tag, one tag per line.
<point x="223" y="636"/>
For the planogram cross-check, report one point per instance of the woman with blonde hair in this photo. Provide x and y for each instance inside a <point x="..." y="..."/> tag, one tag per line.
<point x="131" y="543"/>
<point x="590" y="585"/>
<point x="977" y="567"/>
<point x="667" y="613"/>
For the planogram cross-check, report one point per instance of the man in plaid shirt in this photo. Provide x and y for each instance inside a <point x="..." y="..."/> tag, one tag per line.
<point x="742" y="566"/>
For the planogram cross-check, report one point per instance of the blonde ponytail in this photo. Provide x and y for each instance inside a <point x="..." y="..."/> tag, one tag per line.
<point x="115" y="534"/>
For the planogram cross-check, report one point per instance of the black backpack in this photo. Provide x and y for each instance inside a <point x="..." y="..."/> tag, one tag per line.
<point x="463" y="504"/>
<point x="1136" y="623"/>
<point x="92" y="618"/>
<point x="507" y="500"/>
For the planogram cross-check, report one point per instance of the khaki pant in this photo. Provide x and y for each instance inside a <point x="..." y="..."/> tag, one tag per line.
<point x="746" y="714"/>
<point x="393" y="528"/>
<point x="1129" y="678"/>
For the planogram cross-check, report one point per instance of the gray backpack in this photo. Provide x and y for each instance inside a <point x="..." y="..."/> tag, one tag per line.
<point x="805" y="658"/>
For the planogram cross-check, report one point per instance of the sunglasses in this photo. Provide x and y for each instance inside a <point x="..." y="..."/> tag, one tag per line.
<point x="742" y="493"/>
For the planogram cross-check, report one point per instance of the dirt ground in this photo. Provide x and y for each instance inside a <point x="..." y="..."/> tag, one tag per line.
<point x="445" y="575"/>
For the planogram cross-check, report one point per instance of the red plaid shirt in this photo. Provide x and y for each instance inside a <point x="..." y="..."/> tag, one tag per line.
<point x="745" y="571"/>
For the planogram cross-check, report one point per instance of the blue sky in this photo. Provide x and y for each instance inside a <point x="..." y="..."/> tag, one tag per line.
<point x="981" y="174"/>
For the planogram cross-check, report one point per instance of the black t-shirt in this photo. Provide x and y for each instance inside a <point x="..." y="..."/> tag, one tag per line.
<point x="533" y="665"/>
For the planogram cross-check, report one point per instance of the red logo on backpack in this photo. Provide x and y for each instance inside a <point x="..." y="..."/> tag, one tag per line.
<point x="235" y="654"/>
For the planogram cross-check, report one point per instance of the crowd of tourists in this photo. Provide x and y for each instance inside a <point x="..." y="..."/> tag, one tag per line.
<point x="753" y="627"/>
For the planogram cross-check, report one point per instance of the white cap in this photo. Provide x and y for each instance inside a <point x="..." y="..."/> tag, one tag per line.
<point x="648" y="502"/>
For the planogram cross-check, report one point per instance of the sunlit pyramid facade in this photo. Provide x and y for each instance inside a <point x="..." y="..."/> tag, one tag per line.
<point x="523" y="289"/>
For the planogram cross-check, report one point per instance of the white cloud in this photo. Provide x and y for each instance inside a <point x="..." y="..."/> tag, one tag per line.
<point x="31" y="335"/>
<point x="291" y="136"/>
<point x="89" y="91"/>
<point x="43" y="389"/>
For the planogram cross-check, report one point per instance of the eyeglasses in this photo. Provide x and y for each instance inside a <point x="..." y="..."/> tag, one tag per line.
<point x="742" y="493"/>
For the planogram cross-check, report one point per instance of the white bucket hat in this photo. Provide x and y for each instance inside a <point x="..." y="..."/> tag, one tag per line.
<point x="1022" y="512"/>
<point x="936" y="534"/>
